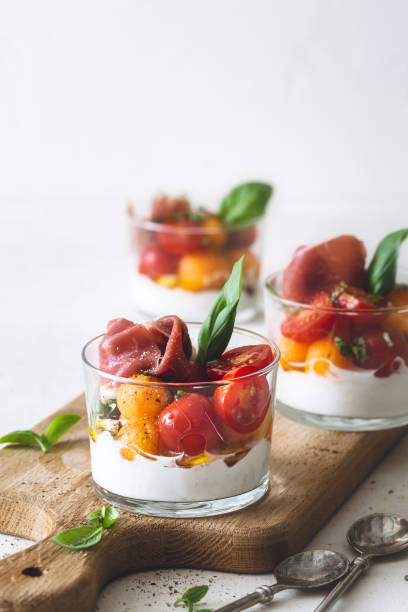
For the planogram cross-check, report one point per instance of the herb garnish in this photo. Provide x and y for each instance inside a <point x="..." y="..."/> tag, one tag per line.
<point x="216" y="331"/>
<point x="245" y="204"/>
<point x="335" y="294"/>
<point x="382" y="270"/>
<point x="107" y="409"/>
<point x="193" y="596"/>
<point x="388" y="340"/>
<point x="86" y="536"/>
<point x="57" y="428"/>
<point x="357" y="348"/>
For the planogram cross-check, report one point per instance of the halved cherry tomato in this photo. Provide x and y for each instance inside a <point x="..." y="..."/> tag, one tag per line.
<point x="353" y="298"/>
<point x="189" y="425"/>
<point x="257" y="356"/>
<point x="243" y="405"/>
<point x="310" y="324"/>
<point x="181" y="237"/>
<point x="155" y="262"/>
<point x="243" y="238"/>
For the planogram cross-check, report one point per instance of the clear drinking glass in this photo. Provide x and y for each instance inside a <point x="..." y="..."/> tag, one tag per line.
<point x="164" y="279"/>
<point x="353" y="376"/>
<point x="232" y="474"/>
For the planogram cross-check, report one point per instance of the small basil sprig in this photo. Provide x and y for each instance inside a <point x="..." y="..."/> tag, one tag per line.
<point x="245" y="203"/>
<point x="193" y="596"/>
<point x="382" y="270"/>
<point x="216" y="331"/>
<point x="86" y="536"/>
<point x="57" y="428"/>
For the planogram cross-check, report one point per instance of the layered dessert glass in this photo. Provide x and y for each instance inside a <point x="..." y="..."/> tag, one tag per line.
<point x="347" y="368"/>
<point x="180" y="265"/>
<point x="164" y="448"/>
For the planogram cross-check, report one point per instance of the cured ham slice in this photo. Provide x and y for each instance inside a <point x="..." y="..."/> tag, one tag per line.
<point x="161" y="348"/>
<point x="168" y="208"/>
<point x="320" y="267"/>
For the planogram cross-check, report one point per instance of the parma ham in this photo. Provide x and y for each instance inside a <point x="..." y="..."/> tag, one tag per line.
<point x="320" y="267"/>
<point x="161" y="348"/>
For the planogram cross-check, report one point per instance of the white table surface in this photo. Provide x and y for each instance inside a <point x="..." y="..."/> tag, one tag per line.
<point x="63" y="276"/>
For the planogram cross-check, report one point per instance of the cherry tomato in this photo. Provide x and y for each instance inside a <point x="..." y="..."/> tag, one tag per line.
<point x="243" y="405"/>
<point x="188" y="426"/>
<point x="155" y="262"/>
<point x="310" y="324"/>
<point x="181" y="237"/>
<point x="165" y="208"/>
<point x="378" y="349"/>
<point x="257" y="356"/>
<point x="352" y="298"/>
<point x="242" y="239"/>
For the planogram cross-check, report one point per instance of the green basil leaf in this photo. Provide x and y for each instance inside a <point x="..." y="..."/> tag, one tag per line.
<point x="216" y="331"/>
<point x="382" y="270"/>
<point x="25" y="437"/>
<point x="192" y="596"/>
<point x="59" y="426"/>
<point x="105" y="516"/>
<point x="245" y="203"/>
<point x="78" y="538"/>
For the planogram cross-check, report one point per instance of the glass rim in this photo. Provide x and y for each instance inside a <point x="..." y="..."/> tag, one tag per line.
<point x="156" y="226"/>
<point x="120" y="379"/>
<point x="306" y="306"/>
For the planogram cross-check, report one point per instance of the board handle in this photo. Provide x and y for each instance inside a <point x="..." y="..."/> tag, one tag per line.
<point x="46" y="577"/>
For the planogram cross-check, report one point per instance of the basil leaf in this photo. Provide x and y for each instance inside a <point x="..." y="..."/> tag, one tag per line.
<point x="245" y="203"/>
<point x="59" y="426"/>
<point x="216" y="331"/>
<point x="105" y="516"/>
<point x="192" y="596"/>
<point x="25" y="437"/>
<point x="78" y="538"/>
<point x="382" y="270"/>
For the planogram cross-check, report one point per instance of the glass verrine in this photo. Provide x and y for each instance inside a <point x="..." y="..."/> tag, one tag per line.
<point x="179" y="267"/>
<point x="131" y="467"/>
<point x="353" y="375"/>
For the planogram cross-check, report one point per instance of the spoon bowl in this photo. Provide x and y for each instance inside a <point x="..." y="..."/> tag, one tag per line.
<point x="311" y="569"/>
<point x="379" y="534"/>
<point x="375" y="535"/>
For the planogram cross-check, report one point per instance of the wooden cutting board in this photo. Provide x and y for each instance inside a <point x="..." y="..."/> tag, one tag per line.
<point x="312" y="473"/>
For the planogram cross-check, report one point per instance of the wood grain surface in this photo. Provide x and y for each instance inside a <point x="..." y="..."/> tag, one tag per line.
<point x="312" y="473"/>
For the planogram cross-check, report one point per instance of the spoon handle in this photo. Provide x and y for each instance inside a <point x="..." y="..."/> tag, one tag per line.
<point x="358" y="566"/>
<point x="263" y="594"/>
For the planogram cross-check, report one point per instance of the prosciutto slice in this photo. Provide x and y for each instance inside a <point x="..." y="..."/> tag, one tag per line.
<point x="161" y="347"/>
<point x="320" y="267"/>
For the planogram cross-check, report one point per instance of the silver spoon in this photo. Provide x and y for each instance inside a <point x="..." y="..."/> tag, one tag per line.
<point x="306" y="570"/>
<point x="371" y="536"/>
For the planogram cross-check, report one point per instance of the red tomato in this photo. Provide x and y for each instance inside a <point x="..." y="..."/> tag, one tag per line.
<point x="187" y="425"/>
<point x="155" y="262"/>
<point x="257" y="356"/>
<point x="378" y="349"/>
<point x="243" y="238"/>
<point x="352" y="298"/>
<point x="243" y="405"/>
<point x="310" y="324"/>
<point x="178" y="238"/>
